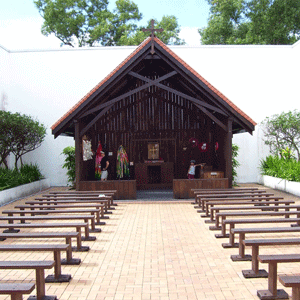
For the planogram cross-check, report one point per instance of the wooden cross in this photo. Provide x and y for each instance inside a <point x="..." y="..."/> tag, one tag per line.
<point x="152" y="29"/>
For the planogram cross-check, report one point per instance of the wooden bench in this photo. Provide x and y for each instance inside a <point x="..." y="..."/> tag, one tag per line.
<point x="55" y="201"/>
<point x="55" y="248"/>
<point x="203" y="201"/>
<point x="224" y="215"/>
<point x="110" y="194"/>
<point x="38" y="206"/>
<point x="242" y="205"/>
<point x="220" y="191"/>
<point x="16" y="290"/>
<point x="39" y="267"/>
<point x="294" y="283"/>
<point x="86" y="237"/>
<point x="92" y="211"/>
<point x="273" y="260"/>
<point x="199" y="198"/>
<point x="23" y="219"/>
<point x="233" y="222"/>
<point x="242" y="233"/>
<point x="48" y="235"/>
<point x="64" y="208"/>
<point x="255" y="244"/>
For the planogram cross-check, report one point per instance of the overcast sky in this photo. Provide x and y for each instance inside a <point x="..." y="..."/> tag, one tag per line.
<point x="20" y="22"/>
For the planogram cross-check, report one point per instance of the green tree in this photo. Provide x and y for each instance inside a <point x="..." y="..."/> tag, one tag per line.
<point x="282" y="132"/>
<point x="6" y="136"/>
<point x="252" y="22"/>
<point x="20" y="134"/>
<point x="90" y="23"/>
<point x="87" y="22"/>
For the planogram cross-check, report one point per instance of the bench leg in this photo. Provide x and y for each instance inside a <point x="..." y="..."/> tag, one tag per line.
<point x="16" y="296"/>
<point x="223" y="228"/>
<point x="255" y="272"/>
<point x="70" y="260"/>
<point x="272" y="292"/>
<point x="231" y="243"/>
<point x="241" y="256"/>
<point x="58" y="277"/>
<point x="86" y="236"/>
<point x="93" y="225"/>
<point x="295" y="293"/>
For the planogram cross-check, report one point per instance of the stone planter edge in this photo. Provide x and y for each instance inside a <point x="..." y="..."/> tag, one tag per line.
<point x="24" y="190"/>
<point x="291" y="187"/>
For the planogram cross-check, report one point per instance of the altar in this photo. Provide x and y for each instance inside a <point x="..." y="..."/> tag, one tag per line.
<point x="151" y="175"/>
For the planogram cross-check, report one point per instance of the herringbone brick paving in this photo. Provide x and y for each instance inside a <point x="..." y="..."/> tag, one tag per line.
<point x="151" y="250"/>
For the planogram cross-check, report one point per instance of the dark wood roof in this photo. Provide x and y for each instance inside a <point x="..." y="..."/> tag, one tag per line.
<point x="167" y="72"/>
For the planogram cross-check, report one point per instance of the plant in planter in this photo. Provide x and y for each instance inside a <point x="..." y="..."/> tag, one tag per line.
<point x="69" y="153"/>
<point x="235" y="163"/>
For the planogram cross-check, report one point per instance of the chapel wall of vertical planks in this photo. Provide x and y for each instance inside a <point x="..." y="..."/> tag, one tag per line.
<point x="163" y="117"/>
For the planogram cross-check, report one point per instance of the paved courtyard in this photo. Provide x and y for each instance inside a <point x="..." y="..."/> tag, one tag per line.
<point x="151" y="250"/>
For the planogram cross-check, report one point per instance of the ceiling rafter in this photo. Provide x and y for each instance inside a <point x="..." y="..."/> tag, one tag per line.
<point x="112" y="101"/>
<point x="183" y="95"/>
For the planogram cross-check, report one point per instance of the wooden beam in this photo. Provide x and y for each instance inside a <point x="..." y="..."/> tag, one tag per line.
<point x="228" y="152"/>
<point x="87" y="127"/>
<point x="210" y="115"/>
<point x="78" y="154"/>
<point x="100" y="106"/>
<point x="177" y="92"/>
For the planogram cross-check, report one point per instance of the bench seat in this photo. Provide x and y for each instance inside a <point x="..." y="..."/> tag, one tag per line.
<point x="243" y="231"/>
<point x="55" y="248"/>
<point x="16" y="290"/>
<point x="255" y="244"/>
<point x="39" y="267"/>
<point x="263" y="205"/>
<point x="23" y="219"/>
<point x="257" y="214"/>
<point x="39" y="235"/>
<point x="86" y="237"/>
<point x="294" y="283"/>
<point x="273" y="260"/>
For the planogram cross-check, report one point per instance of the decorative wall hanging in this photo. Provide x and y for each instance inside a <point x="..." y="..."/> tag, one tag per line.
<point x="122" y="163"/>
<point x="98" y="162"/>
<point x="87" y="152"/>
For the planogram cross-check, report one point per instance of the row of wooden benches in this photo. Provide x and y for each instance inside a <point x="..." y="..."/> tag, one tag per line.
<point x="71" y="206"/>
<point x="218" y="205"/>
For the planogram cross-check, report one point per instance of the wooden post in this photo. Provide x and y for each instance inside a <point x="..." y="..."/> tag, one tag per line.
<point x="78" y="155"/>
<point x="228" y="152"/>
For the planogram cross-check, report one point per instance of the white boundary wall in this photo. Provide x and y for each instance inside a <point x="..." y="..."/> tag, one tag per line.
<point x="260" y="80"/>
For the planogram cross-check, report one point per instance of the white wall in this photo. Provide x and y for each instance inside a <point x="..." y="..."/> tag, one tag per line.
<point x="260" y="80"/>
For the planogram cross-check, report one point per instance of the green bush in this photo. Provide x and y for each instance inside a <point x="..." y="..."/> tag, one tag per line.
<point x="69" y="153"/>
<point x="275" y="166"/>
<point x="235" y="163"/>
<point x="12" y="178"/>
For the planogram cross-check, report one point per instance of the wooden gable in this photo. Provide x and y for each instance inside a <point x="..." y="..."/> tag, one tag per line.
<point x="154" y="96"/>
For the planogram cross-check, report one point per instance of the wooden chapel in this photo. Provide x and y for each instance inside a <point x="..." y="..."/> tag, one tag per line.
<point x="164" y="114"/>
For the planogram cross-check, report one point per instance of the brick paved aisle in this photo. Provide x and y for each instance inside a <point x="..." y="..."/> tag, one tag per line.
<point x="163" y="251"/>
<point x="151" y="250"/>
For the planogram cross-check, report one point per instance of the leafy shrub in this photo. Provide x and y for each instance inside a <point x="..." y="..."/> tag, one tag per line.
<point x="275" y="166"/>
<point x="12" y="178"/>
<point x="69" y="153"/>
<point x="235" y="163"/>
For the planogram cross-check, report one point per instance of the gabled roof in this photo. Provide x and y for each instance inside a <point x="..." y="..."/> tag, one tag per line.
<point x="188" y="74"/>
